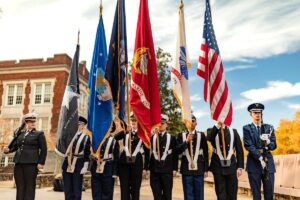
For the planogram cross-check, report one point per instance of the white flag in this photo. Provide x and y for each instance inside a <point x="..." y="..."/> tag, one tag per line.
<point x="179" y="73"/>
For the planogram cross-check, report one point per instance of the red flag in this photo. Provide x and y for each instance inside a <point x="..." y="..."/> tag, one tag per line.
<point x="144" y="93"/>
<point x="210" y="68"/>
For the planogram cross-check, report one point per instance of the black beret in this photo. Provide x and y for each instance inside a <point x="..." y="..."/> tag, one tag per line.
<point x="82" y="120"/>
<point x="256" y="107"/>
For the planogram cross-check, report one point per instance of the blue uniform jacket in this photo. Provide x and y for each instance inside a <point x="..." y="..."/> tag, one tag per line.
<point x="252" y="143"/>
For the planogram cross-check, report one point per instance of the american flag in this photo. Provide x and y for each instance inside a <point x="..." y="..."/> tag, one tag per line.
<point x="210" y="68"/>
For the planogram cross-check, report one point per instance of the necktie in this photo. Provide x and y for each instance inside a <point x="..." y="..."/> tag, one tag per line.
<point x="258" y="129"/>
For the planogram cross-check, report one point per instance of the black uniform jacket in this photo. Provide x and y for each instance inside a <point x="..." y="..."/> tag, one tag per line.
<point x="202" y="161"/>
<point x="134" y="142"/>
<point x="237" y="159"/>
<point x="30" y="149"/>
<point x="111" y="165"/>
<point x="81" y="159"/>
<point x="170" y="164"/>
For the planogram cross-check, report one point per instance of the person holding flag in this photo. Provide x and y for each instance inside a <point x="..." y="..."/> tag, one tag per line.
<point x="163" y="163"/>
<point x="104" y="169"/>
<point x="75" y="165"/>
<point x="131" y="162"/>
<point x="110" y="102"/>
<point x="194" y="168"/>
<point x="225" y="165"/>
<point x="193" y="145"/>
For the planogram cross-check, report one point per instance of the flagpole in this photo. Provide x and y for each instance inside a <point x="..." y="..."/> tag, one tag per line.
<point x="78" y="35"/>
<point x="223" y="141"/>
<point x="128" y="109"/>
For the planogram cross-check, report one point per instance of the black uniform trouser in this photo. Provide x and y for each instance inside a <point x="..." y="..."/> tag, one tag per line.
<point x="102" y="186"/>
<point x="130" y="180"/>
<point x="161" y="185"/>
<point x="72" y="185"/>
<point x="25" y="177"/>
<point x="255" y="180"/>
<point x="226" y="186"/>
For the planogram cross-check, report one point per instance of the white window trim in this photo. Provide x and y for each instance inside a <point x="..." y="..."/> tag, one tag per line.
<point x="33" y="89"/>
<point x="5" y="87"/>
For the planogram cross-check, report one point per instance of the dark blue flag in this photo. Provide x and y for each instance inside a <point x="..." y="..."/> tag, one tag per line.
<point x="118" y="60"/>
<point x="68" y="117"/>
<point x="100" y="102"/>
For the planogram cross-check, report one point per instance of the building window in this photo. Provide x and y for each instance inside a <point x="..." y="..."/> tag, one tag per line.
<point x="14" y="94"/>
<point x="42" y="94"/>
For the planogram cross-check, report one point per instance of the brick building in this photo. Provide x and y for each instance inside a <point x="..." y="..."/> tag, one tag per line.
<point x="37" y="84"/>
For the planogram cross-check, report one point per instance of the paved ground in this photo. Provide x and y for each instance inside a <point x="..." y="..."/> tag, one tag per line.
<point x="8" y="193"/>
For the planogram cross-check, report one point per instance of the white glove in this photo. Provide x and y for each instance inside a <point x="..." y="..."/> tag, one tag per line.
<point x="85" y="167"/>
<point x="262" y="162"/>
<point x="268" y="141"/>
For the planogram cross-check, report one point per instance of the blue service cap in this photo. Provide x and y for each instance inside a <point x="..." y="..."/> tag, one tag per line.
<point x="256" y="107"/>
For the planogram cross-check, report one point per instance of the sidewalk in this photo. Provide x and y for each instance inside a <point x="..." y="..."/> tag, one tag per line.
<point x="8" y="193"/>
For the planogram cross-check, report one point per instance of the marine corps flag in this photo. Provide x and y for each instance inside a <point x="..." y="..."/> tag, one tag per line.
<point x="179" y="73"/>
<point x="117" y="60"/>
<point x="68" y="117"/>
<point x="144" y="93"/>
<point x="100" y="102"/>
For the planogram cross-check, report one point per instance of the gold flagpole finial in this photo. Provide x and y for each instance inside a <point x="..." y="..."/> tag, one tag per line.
<point x="101" y="8"/>
<point x="181" y="4"/>
<point x="78" y="36"/>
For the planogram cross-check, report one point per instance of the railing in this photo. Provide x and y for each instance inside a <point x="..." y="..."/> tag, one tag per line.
<point x="287" y="176"/>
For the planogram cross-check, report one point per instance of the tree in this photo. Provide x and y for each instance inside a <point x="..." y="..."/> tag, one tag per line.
<point x="168" y="103"/>
<point x="288" y="136"/>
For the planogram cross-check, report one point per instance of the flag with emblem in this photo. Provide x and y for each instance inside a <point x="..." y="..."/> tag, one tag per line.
<point x="117" y="60"/>
<point x="68" y="117"/>
<point x="179" y="72"/>
<point x="210" y="68"/>
<point x="144" y="93"/>
<point x="100" y="102"/>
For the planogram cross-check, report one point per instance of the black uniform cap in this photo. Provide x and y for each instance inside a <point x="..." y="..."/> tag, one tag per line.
<point x="256" y="107"/>
<point x="194" y="118"/>
<point x="82" y="120"/>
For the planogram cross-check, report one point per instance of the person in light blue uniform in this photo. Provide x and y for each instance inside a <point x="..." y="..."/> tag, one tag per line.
<point x="259" y="141"/>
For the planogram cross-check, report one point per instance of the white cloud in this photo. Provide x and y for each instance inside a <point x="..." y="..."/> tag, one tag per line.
<point x="274" y="90"/>
<point x="294" y="106"/>
<point x="200" y="113"/>
<point x="32" y="29"/>
<point x="195" y="97"/>
<point x="239" y="67"/>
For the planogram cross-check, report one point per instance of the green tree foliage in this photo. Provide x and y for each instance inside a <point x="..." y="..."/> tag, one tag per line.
<point x="288" y="136"/>
<point x="168" y="103"/>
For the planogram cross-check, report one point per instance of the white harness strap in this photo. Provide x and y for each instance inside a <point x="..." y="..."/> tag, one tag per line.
<point x="101" y="165"/>
<point x="197" y="152"/>
<point x="137" y="148"/>
<point x="230" y="152"/>
<point x="71" y="167"/>
<point x="166" y="152"/>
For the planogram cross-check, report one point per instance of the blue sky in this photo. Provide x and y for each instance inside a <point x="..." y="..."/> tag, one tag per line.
<point x="259" y="41"/>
